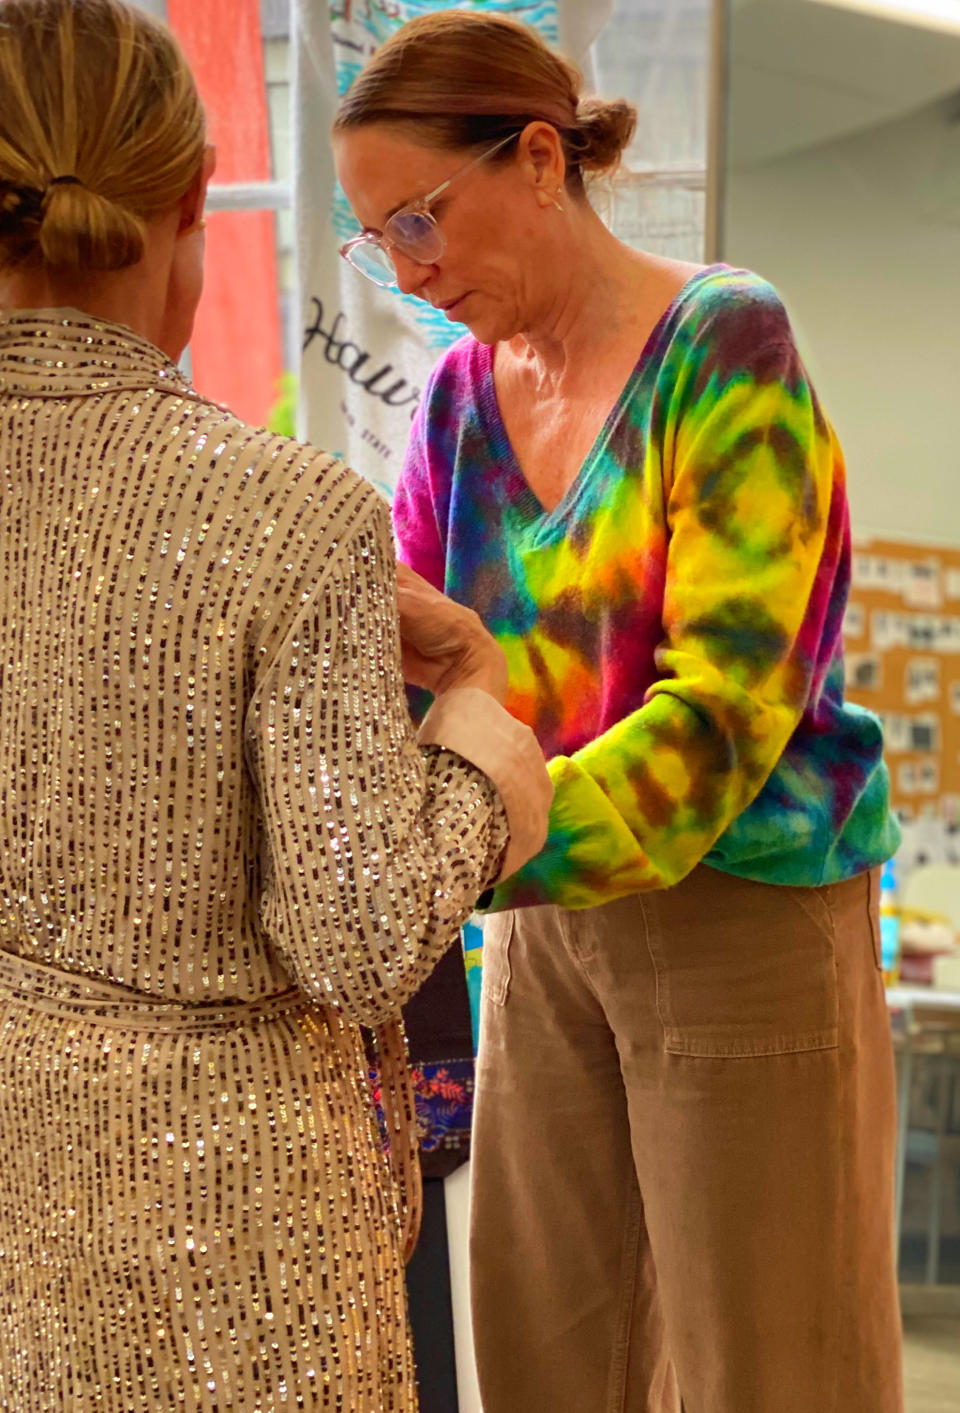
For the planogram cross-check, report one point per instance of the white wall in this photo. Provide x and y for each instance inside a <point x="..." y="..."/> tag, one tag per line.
<point x="862" y="238"/>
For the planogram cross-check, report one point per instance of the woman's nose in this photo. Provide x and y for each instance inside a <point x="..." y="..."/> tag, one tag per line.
<point x="411" y="274"/>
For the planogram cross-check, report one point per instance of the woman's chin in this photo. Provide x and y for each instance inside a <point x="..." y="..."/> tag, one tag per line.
<point x="487" y="328"/>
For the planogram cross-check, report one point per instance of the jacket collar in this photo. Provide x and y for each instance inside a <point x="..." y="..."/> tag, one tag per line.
<point x="64" y="353"/>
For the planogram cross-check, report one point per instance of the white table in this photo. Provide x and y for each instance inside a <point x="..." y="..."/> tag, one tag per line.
<point x="902" y="997"/>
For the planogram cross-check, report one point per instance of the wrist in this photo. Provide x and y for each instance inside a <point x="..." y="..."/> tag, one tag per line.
<point x="482" y="665"/>
<point x="488" y="680"/>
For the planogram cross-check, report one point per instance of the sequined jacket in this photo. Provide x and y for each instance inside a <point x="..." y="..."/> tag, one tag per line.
<point x="216" y="815"/>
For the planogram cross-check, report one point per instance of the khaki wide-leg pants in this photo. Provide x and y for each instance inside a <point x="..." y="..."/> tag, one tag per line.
<point x="683" y="1156"/>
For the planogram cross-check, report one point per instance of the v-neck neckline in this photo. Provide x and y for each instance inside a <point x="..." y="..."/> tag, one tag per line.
<point x="515" y="485"/>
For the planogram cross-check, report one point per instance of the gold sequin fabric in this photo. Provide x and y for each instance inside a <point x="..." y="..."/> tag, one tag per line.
<point x="222" y="853"/>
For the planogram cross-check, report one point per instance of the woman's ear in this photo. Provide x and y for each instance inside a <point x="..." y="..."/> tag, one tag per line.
<point x="194" y="198"/>
<point x="542" y="160"/>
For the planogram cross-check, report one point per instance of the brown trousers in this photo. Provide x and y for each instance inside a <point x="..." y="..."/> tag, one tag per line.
<point x="683" y="1156"/>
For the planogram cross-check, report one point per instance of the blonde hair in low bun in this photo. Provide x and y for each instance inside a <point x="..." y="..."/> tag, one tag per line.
<point x="82" y="230"/>
<point x="459" y="78"/>
<point x="100" y="93"/>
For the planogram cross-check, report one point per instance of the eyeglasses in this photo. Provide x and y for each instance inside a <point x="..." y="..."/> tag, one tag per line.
<point x="412" y="230"/>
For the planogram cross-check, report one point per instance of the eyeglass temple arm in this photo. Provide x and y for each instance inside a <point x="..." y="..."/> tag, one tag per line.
<point x="432" y="195"/>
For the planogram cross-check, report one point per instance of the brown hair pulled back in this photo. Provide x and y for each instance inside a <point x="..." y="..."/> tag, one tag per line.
<point x="458" y="79"/>
<point x="96" y="91"/>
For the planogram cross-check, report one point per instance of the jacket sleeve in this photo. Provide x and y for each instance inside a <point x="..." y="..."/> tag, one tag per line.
<point x="376" y="844"/>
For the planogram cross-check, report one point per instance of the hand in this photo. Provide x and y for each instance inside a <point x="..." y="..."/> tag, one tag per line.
<point x="444" y="644"/>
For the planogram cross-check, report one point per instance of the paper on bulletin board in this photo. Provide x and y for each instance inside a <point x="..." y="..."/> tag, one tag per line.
<point x="881" y="630"/>
<point x="864" y="672"/>
<point x="928" y="777"/>
<point x="924" y="732"/>
<point x="854" y="621"/>
<point x="918" y="582"/>
<point x="921" y="584"/>
<point x="876" y="571"/>
<point x="922" y="631"/>
<point x="896" y="732"/>
<point x="921" y="680"/>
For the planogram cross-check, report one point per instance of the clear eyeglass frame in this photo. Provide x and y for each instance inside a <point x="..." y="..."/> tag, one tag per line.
<point x="413" y="230"/>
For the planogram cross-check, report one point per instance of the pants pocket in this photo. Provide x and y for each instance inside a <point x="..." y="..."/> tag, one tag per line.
<point x="497" y="935"/>
<point x="743" y="969"/>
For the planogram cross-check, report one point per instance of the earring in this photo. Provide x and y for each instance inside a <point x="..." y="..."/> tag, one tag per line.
<point x="556" y="199"/>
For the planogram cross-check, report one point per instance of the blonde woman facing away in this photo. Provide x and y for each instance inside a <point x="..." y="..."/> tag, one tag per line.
<point x="223" y="848"/>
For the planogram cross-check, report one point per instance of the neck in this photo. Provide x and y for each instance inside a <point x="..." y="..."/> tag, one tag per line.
<point x="139" y="297"/>
<point x="118" y="298"/>
<point x="591" y="303"/>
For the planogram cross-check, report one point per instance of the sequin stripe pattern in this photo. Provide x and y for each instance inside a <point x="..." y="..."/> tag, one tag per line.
<point x="57" y="993"/>
<point x="65" y="994"/>
<point x="210" y="1260"/>
<point x="399" y="1110"/>
<point x="202" y="1220"/>
<point x="154" y="548"/>
<point x="672" y="627"/>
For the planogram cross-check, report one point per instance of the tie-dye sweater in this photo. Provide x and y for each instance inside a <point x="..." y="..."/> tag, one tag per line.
<point x="673" y="626"/>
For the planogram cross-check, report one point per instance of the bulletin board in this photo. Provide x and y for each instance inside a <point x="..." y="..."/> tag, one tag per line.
<point x="902" y="650"/>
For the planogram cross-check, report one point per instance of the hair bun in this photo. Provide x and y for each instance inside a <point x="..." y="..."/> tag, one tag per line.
<point x="21" y="207"/>
<point x="69" y="225"/>
<point x="604" y="129"/>
<point x="83" y="230"/>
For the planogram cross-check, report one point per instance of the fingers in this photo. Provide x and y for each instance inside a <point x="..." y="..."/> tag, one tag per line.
<point x="443" y="641"/>
<point x="408" y="581"/>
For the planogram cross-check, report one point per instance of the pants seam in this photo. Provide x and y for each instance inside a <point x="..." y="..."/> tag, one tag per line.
<point x="620" y="1358"/>
<point x="567" y="921"/>
<point x="659" y="1001"/>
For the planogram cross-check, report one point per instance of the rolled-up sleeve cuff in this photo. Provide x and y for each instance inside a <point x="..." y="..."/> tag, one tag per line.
<point x="472" y="723"/>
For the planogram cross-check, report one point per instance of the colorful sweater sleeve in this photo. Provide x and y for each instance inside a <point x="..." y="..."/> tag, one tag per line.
<point x="417" y="507"/>
<point x="417" y="533"/>
<point x="756" y="526"/>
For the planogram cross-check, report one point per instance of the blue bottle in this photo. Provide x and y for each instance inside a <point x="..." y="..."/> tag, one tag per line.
<point x="889" y="924"/>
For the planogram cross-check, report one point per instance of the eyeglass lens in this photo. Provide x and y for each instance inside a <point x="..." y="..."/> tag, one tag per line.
<point x="416" y="234"/>
<point x="374" y="262"/>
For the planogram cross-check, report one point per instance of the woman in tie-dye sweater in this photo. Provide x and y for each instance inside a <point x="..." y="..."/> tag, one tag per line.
<point x="684" y="1124"/>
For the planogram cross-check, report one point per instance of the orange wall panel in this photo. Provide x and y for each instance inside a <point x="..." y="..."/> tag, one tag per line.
<point x="236" y="348"/>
